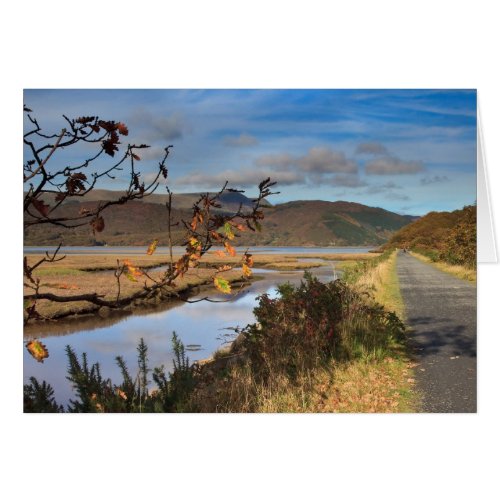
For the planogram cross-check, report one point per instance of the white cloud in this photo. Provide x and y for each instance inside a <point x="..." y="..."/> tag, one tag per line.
<point x="326" y="160"/>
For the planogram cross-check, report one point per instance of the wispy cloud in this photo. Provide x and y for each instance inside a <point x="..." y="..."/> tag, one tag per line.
<point x="390" y="165"/>
<point x="239" y="141"/>
<point x="280" y="161"/>
<point x="159" y="128"/>
<point x="397" y="197"/>
<point x="382" y="188"/>
<point x="238" y="178"/>
<point x="436" y="179"/>
<point x="343" y="180"/>
<point x="371" y="148"/>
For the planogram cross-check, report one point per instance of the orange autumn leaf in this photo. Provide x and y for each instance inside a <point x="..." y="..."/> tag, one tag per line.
<point x="240" y="227"/>
<point x="229" y="249"/>
<point x="248" y="259"/>
<point x="37" y="350"/>
<point x="132" y="272"/>
<point x="219" y="253"/>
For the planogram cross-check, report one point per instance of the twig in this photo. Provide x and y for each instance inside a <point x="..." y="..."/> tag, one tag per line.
<point x="41" y="165"/>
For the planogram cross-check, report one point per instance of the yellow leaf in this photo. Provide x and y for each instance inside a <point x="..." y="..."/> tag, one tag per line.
<point x="222" y="285"/>
<point x="152" y="247"/>
<point x="229" y="231"/>
<point x="246" y="271"/>
<point x="37" y="350"/>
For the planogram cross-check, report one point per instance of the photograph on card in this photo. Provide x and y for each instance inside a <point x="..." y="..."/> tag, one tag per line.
<point x="249" y="251"/>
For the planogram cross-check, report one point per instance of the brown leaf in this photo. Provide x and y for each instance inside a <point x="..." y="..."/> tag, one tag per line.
<point x="41" y="206"/>
<point x="136" y="157"/>
<point x="97" y="224"/>
<point x="110" y="145"/>
<point x="85" y="119"/>
<point x="122" y="128"/>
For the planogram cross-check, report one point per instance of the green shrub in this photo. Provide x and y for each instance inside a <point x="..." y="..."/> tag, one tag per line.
<point x="308" y="324"/>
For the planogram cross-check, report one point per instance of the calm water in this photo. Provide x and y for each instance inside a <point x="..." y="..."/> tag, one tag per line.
<point x="179" y="250"/>
<point x="200" y="324"/>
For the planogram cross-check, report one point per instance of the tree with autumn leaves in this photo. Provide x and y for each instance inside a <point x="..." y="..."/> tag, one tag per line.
<point x="48" y="186"/>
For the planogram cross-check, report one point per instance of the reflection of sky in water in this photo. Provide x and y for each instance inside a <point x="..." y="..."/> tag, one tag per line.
<point x="202" y="323"/>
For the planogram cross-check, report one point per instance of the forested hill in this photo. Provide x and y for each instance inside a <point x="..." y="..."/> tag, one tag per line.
<point x="296" y="223"/>
<point x="449" y="236"/>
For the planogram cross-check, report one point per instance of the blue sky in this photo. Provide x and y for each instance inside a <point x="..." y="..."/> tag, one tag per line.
<point x="408" y="151"/>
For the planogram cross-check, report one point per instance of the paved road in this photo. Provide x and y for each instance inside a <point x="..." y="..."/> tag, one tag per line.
<point x="441" y="311"/>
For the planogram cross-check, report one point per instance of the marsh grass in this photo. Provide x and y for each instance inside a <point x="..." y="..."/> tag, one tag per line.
<point x="88" y="273"/>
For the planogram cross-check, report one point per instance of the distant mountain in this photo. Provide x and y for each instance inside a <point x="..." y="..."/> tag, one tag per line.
<point x="230" y="201"/>
<point x="296" y="223"/>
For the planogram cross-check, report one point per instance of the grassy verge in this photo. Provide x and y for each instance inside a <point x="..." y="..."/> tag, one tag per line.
<point x="383" y="384"/>
<point x="461" y="272"/>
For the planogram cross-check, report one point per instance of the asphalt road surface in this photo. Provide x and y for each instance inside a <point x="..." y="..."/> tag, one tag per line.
<point x="441" y="312"/>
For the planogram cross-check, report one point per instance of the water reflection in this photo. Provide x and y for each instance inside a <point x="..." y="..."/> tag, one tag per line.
<point x="201" y="325"/>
